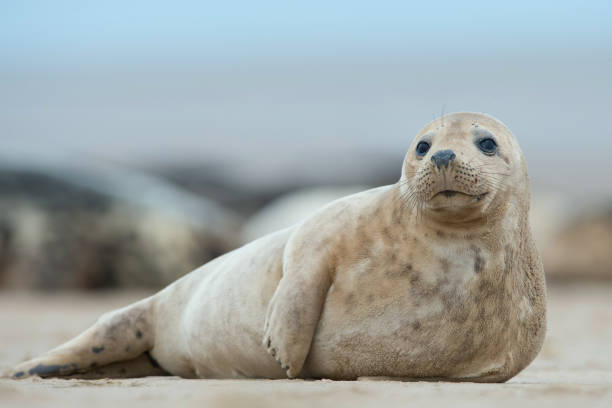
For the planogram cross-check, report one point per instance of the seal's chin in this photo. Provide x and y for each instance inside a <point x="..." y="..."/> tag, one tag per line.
<point x="453" y="199"/>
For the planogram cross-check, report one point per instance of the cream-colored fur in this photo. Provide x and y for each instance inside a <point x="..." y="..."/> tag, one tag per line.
<point x="398" y="281"/>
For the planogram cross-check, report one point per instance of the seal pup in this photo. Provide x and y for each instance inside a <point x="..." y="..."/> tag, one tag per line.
<point x="433" y="277"/>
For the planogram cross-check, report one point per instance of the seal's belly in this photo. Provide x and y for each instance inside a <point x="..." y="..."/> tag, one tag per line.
<point x="409" y="324"/>
<point x="218" y="331"/>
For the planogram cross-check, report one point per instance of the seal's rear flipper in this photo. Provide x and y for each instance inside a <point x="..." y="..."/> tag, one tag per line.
<point x="118" y="336"/>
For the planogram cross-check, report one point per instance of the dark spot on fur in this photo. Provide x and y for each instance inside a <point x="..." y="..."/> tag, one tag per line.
<point x="509" y="259"/>
<point x="127" y="348"/>
<point x="440" y="234"/>
<point x="460" y="313"/>
<point x="387" y="235"/>
<point x="97" y="349"/>
<point x="416" y="325"/>
<point x="482" y="286"/>
<point x="370" y="298"/>
<point x="445" y="265"/>
<point x="478" y="264"/>
<point x="18" y="374"/>
<point x="478" y="259"/>
<point x="138" y="334"/>
<point x="43" y="370"/>
<point x="488" y="289"/>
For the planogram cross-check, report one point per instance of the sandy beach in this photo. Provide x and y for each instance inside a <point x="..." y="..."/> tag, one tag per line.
<point x="574" y="367"/>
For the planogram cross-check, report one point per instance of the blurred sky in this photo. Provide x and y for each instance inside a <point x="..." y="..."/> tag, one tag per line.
<point x="146" y="82"/>
<point x="64" y="32"/>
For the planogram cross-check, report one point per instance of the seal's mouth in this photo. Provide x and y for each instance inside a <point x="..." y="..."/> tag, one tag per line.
<point x="453" y="193"/>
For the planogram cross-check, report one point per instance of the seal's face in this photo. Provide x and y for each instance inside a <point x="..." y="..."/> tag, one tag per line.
<point x="459" y="165"/>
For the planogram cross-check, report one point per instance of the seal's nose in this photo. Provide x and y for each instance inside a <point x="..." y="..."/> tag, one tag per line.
<point x="443" y="158"/>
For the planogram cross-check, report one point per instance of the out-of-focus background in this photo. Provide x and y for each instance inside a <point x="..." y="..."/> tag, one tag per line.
<point x="140" y="139"/>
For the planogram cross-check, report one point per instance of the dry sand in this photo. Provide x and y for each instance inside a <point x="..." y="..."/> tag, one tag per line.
<point x="574" y="368"/>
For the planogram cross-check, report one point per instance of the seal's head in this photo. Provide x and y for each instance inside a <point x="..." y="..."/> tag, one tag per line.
<point x="464" y="167"/>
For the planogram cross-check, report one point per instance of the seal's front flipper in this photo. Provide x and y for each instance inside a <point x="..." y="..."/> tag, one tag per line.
<point x="294" y="310"/>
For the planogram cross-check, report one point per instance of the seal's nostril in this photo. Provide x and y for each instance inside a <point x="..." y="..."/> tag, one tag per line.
<point x="443" y="158"/>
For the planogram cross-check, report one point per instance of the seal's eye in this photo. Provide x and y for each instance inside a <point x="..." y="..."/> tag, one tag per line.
<point x="487" y="145"/>
<point x="422" y="148"/>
